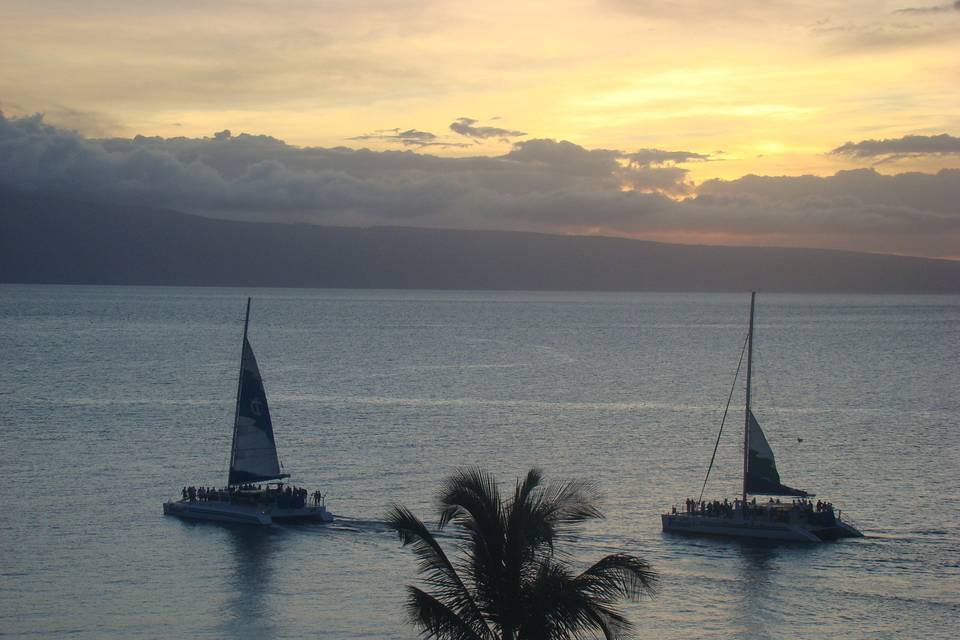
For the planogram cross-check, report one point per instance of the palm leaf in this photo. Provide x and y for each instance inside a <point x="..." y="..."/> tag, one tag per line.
<point x="569" y="504"/>
<point x="618" y="576"/>
<point x="471" y="500"/>
<point x="557" y="609"/>
<point x="437" y="620"/>
<point x="436" y="568"/>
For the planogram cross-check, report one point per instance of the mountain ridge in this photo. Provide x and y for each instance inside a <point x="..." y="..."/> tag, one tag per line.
<point x="48" y="239"/>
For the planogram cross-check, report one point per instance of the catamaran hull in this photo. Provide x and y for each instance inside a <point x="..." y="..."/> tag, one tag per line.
<point x="317" y="515"/>
<point x="217" y="512"/>
<point x="839" y="530"/>
<point x="214" y="511"/>
<point x="755" y="530"/>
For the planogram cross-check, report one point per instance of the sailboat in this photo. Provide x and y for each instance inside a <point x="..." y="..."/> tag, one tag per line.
<point x="255" y="492"/>
<point x="794" y="519"/>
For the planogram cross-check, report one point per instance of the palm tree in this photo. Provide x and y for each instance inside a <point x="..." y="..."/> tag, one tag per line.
<point x="508" y="582"/>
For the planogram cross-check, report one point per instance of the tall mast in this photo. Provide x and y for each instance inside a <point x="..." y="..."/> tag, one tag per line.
<point x="746" y="417"/>
<point x="236" y="415"/>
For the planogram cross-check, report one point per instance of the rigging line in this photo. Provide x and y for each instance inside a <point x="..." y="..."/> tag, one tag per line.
<point x="724" y="419"/>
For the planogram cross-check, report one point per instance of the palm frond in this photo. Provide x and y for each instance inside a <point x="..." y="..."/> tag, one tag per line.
<point x="529" y="484"/>
<point x="437" y="620"/>
<point x="471" y="499"/>
<point x="571" y="503"/>
<point x="527" y="528"/>
<point x="560" y="605"/>
<point x="435" y="567"/>
<point x="546" y="514"/>
<point x="559" y="609"/>
<point x="618" y="576"/>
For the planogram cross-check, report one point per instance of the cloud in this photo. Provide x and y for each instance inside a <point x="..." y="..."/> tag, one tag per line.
<point x="915" y="195"/>
<point x="646" y="170"/>
<point x="465" y="127"/>
<point x="540" y="185"/>
<point x="902" y="28"/>
<point x="893" y="148"/>
<point x="591" y="169"/>
<point x="937" y="8"/>
<point x="653" y="157"/>
<point x="409" y="138"/>
<point x="565" y="158"/>
<point x="666" y="180"/>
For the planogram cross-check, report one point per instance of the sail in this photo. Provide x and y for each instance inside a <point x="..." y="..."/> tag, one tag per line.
<point x="761" y="472"/>
<point x="254" y="457"/>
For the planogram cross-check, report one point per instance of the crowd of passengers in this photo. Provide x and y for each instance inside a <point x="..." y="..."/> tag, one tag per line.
<point x="716" y="508"/>
<point x="289" y="496"/>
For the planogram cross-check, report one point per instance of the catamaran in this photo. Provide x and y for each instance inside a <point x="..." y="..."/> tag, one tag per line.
<point x="796" y="520"/>
<point x="255" y="491"/>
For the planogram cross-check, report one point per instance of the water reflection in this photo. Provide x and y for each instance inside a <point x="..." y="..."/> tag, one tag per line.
<point x="248" y="610"/>
<point x="756" y="613"/>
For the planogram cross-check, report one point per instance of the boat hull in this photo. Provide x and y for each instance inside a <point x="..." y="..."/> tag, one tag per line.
<point x="234" y="513"/>
<point x="755" y="529"/>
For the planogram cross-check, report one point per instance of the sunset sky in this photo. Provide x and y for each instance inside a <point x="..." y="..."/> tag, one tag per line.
<point x="616" y="117"/>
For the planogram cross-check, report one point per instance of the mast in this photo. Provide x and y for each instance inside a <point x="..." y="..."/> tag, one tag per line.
<point x="236" y="415"/>
<point x="746" y="417"/>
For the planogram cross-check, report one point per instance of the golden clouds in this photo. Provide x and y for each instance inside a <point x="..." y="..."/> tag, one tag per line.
<point x="773" y="87"/>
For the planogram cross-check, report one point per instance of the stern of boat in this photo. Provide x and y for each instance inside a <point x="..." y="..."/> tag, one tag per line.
<point x="840" y="529"/>
<point x="316" y="515"/>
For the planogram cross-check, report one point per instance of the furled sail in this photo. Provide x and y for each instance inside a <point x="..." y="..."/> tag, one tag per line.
<point x="254" y="453"/>
<point x="762" y="476"/>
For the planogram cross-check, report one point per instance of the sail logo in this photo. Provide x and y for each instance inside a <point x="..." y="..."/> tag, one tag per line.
<point x="256" y="407"/>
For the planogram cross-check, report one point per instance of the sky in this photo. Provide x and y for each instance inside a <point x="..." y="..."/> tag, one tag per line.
<point x="819" y="124"/>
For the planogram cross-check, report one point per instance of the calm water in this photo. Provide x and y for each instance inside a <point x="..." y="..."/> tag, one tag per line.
<point x="111" y="399"/>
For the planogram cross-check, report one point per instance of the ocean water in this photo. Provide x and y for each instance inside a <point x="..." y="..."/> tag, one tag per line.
<point x="112" y="399"/>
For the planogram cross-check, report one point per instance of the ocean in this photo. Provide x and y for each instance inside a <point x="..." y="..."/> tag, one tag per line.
<point x="114" y="398"/>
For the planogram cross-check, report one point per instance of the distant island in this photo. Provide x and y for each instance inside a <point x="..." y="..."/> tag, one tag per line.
<point x="45" y="239"/>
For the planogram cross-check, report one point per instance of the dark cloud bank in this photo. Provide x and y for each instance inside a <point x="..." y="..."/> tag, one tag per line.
<point x="540" y="185"/>
<point x="940" y="145"/>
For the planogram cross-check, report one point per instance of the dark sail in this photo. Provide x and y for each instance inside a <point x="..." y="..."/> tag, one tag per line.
<point x="254" y="456"/>
<point x="761" y="474"/>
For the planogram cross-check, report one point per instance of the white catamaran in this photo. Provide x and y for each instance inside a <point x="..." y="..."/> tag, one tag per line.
<point x="799" y="520"/>
<point x="255" y="491"/>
